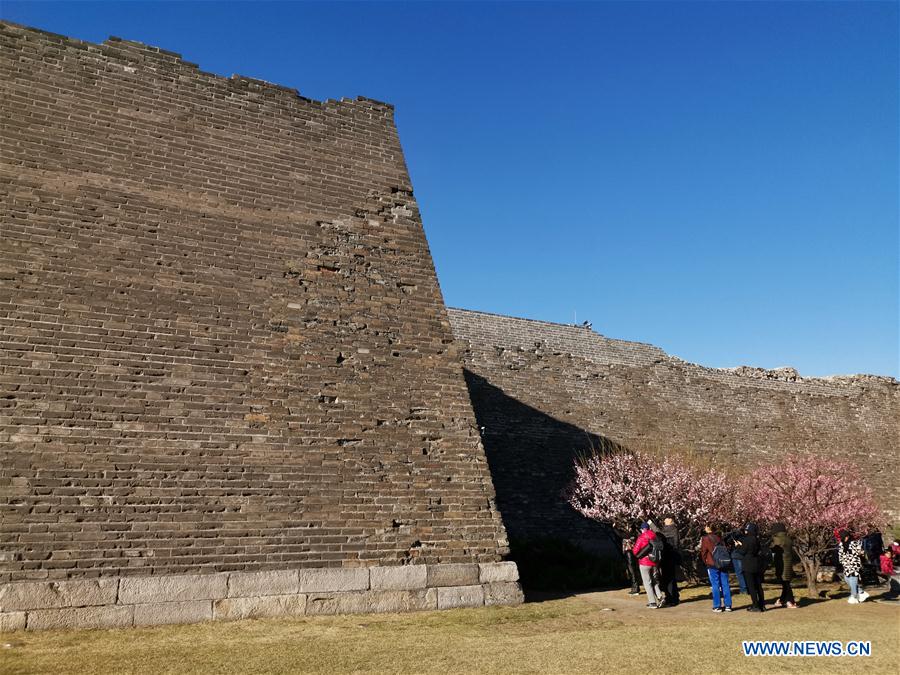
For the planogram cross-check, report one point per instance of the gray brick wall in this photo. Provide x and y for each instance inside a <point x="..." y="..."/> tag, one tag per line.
<point x="222" y="342"/>
<point x="545" y="392"/>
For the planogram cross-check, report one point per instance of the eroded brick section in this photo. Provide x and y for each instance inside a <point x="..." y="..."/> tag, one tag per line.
<point x="222" y="342"/>
<point x="545" y="392"/>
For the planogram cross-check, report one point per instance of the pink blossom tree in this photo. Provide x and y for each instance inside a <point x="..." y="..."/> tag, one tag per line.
<point x="812" y="496"/>
<point x="623" y="487"/>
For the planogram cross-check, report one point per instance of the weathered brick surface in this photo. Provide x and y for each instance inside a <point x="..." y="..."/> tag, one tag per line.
<point x="503" y="593"/>
<point x="545" y="392"/>
<point x="269" y="606"/>
<point x="244" y="584"/>
<point x="460" y="596"/>
<point x="402" y="578"/>
<point x="50" y="594"/>
<point x="222" y="342"/>
<point x="11" y="621"/>
<point x="502" y="571"/>
<point x="173" y="588"/>
<point x="333" y="580"/>
<point x="107" y="616"/>
<point x="452" y="575"/>
<point x="159" y="613"/>
<point x="371" y="601"/>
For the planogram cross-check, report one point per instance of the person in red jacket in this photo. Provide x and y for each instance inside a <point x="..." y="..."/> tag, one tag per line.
<point x="641" y="550"/>
<point x="889" y="571"/>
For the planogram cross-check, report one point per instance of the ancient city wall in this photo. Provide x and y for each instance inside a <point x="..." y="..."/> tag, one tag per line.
<point x="543" y="392"/>
<point x="223" y="348"/>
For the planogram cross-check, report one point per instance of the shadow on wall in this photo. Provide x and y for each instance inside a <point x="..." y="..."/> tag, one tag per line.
<point x="531" y="456"/>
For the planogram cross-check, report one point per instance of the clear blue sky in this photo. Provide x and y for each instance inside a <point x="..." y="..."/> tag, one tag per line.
<point x="719" y="179"/>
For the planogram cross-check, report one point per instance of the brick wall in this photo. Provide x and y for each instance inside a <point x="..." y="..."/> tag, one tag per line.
<point x="544" y="392"/>
<point x="222" y="342"/>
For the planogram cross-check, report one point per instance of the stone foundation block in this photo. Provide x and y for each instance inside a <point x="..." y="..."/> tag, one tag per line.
<point x="459" y="574"/>
<point x="826" y="574"/>
<point x="259" y="608"/>
<point x="403" y="578"/>
<point x="108" y="616"/>
<point x="371" y="601"/>
<point x="503" y="593"/>
<point x="10" y="621"/>
<point x="333" y="580"/>
<point x="250" y="584"/>
<point x="53" y="594"/>
<point x="460" y="596"/>
<point x="172" y="588"/>
<point x="499" y="571"/>
<point x="159" y="613"/>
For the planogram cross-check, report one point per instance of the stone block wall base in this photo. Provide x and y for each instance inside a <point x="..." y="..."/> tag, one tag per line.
<point x="191" y="598"/>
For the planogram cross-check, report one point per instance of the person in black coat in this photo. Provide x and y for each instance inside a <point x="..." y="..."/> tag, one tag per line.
<point x="631" y="566"/>
<point x="671" y="561"/>
<point x="753" y="565"/>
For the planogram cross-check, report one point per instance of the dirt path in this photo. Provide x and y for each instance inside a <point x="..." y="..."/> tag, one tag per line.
<point x="697" y="604"/>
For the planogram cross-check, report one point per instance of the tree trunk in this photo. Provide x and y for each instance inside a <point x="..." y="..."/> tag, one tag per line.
<point x="811" y="568"/>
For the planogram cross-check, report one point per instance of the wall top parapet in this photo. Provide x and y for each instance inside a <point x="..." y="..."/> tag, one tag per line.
<point x="506" y="332"/>
<point x="130" y="51"/>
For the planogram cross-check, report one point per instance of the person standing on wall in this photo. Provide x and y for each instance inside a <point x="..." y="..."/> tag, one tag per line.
<point x="782" y="551"/>
<point x="754" y="566"/>
<point x="642" y="550"/>
<point x="670" y="562"/>
<point x="717" y="558"/>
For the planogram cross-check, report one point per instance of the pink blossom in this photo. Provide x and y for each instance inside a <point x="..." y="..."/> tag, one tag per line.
<point x="621" y="488"/>
<point x="812" y="496"/>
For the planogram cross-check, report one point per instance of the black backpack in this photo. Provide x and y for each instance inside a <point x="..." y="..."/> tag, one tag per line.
<point x="721" y="556"/>
<point x="765" y="555"/>
<point x="657" y="549"/>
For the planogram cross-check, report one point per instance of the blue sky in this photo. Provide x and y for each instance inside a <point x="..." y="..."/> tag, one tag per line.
<point x="719" y="179"/>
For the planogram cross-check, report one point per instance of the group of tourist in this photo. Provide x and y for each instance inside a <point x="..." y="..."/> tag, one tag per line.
<point x="654" y="557"/>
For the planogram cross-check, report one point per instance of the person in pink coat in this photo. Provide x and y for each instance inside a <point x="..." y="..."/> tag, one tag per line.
<point x="641" y="550"/>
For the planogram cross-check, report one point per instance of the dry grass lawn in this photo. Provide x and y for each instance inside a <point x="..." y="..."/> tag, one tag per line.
<point x="570" y="635"/>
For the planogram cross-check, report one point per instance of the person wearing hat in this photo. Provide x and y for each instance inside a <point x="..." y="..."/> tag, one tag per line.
<point x="642" y="548"/>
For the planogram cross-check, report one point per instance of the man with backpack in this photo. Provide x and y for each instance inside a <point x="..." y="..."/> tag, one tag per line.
<point x="647" y="549"/>
<point x="717" y="558"/>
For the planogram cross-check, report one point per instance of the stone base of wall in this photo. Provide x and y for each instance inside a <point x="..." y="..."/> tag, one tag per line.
<point x="151" y="601"/>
